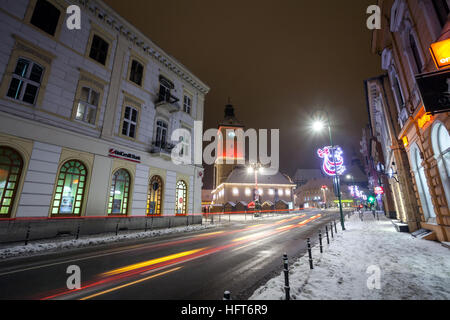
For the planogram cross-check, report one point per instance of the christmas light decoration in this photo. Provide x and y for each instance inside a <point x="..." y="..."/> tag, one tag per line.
<point x="332" y="166"/>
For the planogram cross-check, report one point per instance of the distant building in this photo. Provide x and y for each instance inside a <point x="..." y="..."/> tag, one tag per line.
<point x="234" y="187"/>
<point x="319" y="193"/>
<point x="302" y="176"/>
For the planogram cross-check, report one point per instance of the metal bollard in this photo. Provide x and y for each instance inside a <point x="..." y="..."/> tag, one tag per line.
<point x="287" y="289"/>
<point x="311" y="265"/>
<point x="227" y="295"/>
<point x="335" y="228"/>
<point x="320" y="241"/>
<point x="145" y="230"/>
<point x="328" y="238"/>
<point x="331" y="229"/>
<point x="117" y="228"/>
<point x="28" y="235"/>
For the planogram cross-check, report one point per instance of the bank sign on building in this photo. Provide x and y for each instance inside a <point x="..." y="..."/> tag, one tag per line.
<point x="86" y="116"/>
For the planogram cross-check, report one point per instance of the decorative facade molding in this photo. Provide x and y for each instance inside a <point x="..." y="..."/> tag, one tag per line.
<point x="108" y="17"/>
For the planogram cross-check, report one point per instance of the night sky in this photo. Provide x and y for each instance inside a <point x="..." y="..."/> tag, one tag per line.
<point x="277" y="60"/>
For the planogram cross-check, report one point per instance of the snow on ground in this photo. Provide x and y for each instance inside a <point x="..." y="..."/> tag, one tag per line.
<point x="51" y="245"/>
<point x="54" y="245"/>
<point x="411" y="269"/>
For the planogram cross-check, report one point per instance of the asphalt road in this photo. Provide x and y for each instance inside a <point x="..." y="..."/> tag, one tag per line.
<point x="237" y="257"/>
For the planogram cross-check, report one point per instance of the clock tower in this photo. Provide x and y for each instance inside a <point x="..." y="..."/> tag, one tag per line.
<point x="227" y="148"/>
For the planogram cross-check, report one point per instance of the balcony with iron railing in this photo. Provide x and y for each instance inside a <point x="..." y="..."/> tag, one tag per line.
<point x="167" y="101"/>
<point x="162" y="148"/>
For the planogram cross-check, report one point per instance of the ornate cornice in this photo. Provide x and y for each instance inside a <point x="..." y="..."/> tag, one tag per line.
<point x="104" y="14"/>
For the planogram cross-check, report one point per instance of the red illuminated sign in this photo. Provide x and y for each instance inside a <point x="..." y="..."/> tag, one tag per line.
<point x="379" y="190"/>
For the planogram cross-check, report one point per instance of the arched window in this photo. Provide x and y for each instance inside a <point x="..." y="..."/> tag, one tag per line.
<point x="154" y="197"/>
<point x="181" y="198"/>
<point x="120" y="193"/>
<point x="415" y="52"/>
<point x="441" y="147"/>
<point x="70" y="188"/>
<point x="422" y="185"/>
<point x="11" y="165"/>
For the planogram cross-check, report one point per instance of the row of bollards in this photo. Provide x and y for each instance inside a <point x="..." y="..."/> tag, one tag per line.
<point x="287" y="288"/>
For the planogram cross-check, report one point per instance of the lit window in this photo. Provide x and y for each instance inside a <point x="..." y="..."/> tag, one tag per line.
<point x="181" y="198"/>
<point x="130" y="122"/>
<point x="248" y="192"/>
<point x="45" y="17"/>
<point x="11" y="165"/>
<point x="119" y="194"/>
<point x="288" y="192"/>
<point x="235" y="191"/>
<point x="88" y="105"/>
<point x="70" y="188"/>
<point x="26" y="81"/>
<point x="154" y="197"/>
<point x="271" y="192"/>
<point x="260" y="192"/>
<point x="280" y="192"/>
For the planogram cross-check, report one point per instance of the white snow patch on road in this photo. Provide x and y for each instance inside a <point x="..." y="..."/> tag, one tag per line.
<point x="411" y="269"/>
<point x="37" y="247"/>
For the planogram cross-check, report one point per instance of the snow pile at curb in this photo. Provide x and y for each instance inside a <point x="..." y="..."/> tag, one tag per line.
<point x="37" y="247"/>
<point x="411" y="269"/>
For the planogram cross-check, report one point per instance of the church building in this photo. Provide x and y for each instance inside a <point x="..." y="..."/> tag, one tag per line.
<point x="236" y="184"/>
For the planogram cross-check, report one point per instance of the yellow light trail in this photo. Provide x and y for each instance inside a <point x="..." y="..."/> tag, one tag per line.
<point x="208" y="234"/>
<point x="150" y="262"/>
<point x="130" y="284"/>
<point x="285" y="227"/>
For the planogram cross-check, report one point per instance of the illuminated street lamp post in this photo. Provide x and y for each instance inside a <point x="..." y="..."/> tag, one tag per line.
<point x="255" y="168"/>
<point x="319" y="126"/>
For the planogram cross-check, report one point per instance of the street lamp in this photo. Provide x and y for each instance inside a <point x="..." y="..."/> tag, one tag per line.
<point x="255" y="168"/>
<point x="318" y="126"/>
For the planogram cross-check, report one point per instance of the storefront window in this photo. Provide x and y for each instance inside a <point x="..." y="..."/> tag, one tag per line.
<point x="70" y="188"/>
<point x="422" y="184"/>
<point x="10" y="170"/>
<point x="119" y="195"/>
<point x="181" y="199"/>
<point x="441" y="148"/>
<point x="154" y="197"/>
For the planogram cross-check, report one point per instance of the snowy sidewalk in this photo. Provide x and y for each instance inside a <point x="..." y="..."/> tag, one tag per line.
<point x="411" y="269"/>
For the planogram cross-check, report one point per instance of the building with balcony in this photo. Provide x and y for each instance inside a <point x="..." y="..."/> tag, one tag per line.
<point x="410" y="134"/>
<point x="86" y="116"/>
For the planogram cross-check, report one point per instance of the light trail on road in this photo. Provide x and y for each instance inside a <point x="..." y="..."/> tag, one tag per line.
<point x="127" y="273"/>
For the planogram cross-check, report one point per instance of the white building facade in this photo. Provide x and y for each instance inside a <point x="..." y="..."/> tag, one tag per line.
<point x="86" y="116"/>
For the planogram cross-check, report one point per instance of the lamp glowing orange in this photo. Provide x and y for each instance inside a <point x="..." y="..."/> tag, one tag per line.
<point x="441" y="53"/>
<point x="405" y="141"/>
<point x="424" y="120"/>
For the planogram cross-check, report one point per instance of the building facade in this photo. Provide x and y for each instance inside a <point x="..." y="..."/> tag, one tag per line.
<point x="414" y="143"/>
<point x="86" y="116"/>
